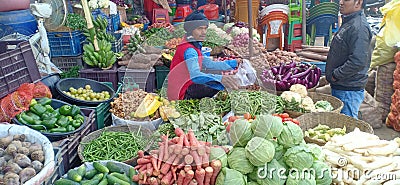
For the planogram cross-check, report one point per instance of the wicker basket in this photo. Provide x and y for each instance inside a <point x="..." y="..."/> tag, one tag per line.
<point x="120" y="128"/>
<point x="333" y="120"/>
<point x="335" y="102"/>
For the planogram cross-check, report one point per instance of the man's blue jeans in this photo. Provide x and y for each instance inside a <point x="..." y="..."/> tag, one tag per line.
<point x="352" y="101"/>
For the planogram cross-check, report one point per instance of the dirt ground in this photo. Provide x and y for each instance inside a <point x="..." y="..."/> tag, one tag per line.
<point x="386" y="133"/>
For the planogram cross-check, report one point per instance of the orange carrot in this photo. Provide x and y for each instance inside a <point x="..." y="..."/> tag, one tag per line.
<point x="160" y="157"/>
<point x="156" y="173"/>
<point x="142" y="182"/>
<point x="143" y="168"/>
<point x="192" y="140"/>
<point x="179" y="132"/>
<point x="149" y="169"/>
<point x="216" y="165"/>
<point x="175" y="140"/>
<point x="193" y="182"/>
<point x="201" y="150"/>
<point x="188" y="159"/>
<point x="167" y="165"/>
<point x="174" y="173"/>
<point x="209" y="173"/>
<point x="180" y="166"/>
<point x="205" y="160"/>
<point x="160" y="176"/>
<point x="187" y="168"/>
<point x="152" y="152"/>
<point x="189" y="176"/>
<point x="186" y="141"/>
<point x="179" y="146"/>
<point x="208" y="150"/>
<point x="196" y="158"/>
<point x="177" y="160"/>
<point x="154" y="162"/>
<point x="135" y="178"/>
<point x="147" y="157"/>
<point x="140" y="153"/>
<point x="144" y="178"/>
<point x="185" y="151"/>
<point x="200" y="175"/>
<point x="137" y="167"/>
<point x="181" y="176"/>
<point x="167" y="179"/>
<point x="153" y="181"/>
<point x="171" y="149"/>
<point x="166" y="154"/>
<point x="143" y="161"/>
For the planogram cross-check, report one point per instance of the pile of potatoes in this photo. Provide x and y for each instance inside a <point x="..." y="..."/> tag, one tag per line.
<point x="19" y="160"/>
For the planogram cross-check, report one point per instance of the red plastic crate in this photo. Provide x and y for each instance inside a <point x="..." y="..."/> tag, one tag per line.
<point x="110" y="75"/>
<point x="17" y="66"/>
<point x="296" y="44"/>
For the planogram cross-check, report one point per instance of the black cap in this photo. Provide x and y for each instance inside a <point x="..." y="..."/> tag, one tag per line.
<point x="195" y="20"/>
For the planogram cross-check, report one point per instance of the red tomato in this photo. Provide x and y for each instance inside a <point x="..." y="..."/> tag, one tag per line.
<point x="295" y="121"/>
<point x="284" y="115"/>
<point x="247" y="116"/>
<point x="228" y="128"/>
<point x="232" y="118"/>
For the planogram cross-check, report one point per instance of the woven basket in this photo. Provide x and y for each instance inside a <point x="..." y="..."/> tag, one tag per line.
<point x="335" y="102"/>
<point x="120" y="128"/>
<point x="333" y="120"/>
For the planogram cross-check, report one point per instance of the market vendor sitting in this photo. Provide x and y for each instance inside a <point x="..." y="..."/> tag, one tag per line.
<point x="187" y="79"/>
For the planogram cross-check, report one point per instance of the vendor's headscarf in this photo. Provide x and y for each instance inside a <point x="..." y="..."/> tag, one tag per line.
<point x="195" y="20"/>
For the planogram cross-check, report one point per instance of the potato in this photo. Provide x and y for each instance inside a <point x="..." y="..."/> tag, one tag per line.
<point x="27" y="174"/>
<point x="11" y="179"/>
<point x="22" y="160"/>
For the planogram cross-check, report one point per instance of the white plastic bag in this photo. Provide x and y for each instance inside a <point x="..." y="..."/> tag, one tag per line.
<point x="246" y="74"/>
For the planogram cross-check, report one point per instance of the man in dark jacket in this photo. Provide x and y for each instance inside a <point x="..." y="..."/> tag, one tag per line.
<point x="349" y="59"/>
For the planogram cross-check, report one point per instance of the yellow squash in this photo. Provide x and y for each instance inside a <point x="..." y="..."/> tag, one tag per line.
<point x="149" y="105"/>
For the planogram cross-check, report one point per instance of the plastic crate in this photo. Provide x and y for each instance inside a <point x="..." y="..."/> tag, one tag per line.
<point x="66" y="63"/>
<point x="145" y="78"/>
<point x="114" y="23"/>
<point x="100" y="75"/>
<point x="65" y="43"/>
<point x="117" y="45"/>
<point x="17" y="66"/>
<point x="161" y="74"/>
<point x="103" y="116"/>
<point x="320" y="65"/>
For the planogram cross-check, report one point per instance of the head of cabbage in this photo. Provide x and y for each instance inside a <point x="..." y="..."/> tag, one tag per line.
<point x="273" y="173"/>
<point x="316" y="151"/>
<point x="267" y="126"/>
<point x="259" y="151"/>
<point x="219" y="153"/>
<point x="240" y="132"/>
<point x="230" y="177"/>
<point x="252" y="183"/>
<point x="291" y="135"/>
<point x="322" y="173"/>
<point x="299" y="157"/>
<point x="237" y="160"/>
<point x="300" y="177"/>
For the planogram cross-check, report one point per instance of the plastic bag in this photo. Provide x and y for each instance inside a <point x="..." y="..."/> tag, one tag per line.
<point x="391" y="12"/>
<point x="382" y="53"/>
<point x="246" y="74"/>
<point x="41" y="90"/>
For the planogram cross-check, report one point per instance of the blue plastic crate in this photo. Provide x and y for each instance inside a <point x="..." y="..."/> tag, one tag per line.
<point x="113" y="25"/>
<point x="117" y="45"/>
<point x="65" y="43"/>
<point x="320" y="65"/>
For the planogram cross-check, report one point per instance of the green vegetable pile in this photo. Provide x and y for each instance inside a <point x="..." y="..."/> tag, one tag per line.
<point x="323" y="133"/>
<point x="253" y="102"/>
<point x="206" y="127"/>
<point x="43" y="117"/>
<point x="73" y="72"/>
<point x="108" y="174"/>
<point x="157" y="36"/>
<point x="179" y="32"/>
<point x="214" y="40"/>
<point x="119" y="146"/>
<point x="187" y="107"/>
<point x="75" y="21"/>
<point x="267" y="144"/>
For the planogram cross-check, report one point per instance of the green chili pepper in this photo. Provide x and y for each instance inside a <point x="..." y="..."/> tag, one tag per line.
<point x="38" y="122"/>
<point x="38" y="127"/>
<point x="33" y="102"/>
<point x="50" y="123"/>
<point x="65" y="110"/>
<point x="62" y="121"/>
<point x="70" y="128"/>
<point x="58" y="129"/>
<point x="38" y="109"/>
<point x="75" y="110"/>
<point x="22" y="121"/>
<point x="28" y="119"/>
<point x="76" y="123"/>
<point x="44" y="101"/>
<point x="56" y="114"/>
<point x="33" y="115"/>
<point x="49" y="108"/>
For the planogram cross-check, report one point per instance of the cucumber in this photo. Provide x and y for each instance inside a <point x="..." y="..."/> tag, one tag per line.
<point x="103" y="182"/>
<point x="98" y="177"/>
<point x="73" y="175"/>
<point x="101" y="168"/>
<point x="65" y="182"/>
<point x="113" y="167"/>
<point x="90" y="174"/>
<point x="114" y="180"/>
<point x="81" y="170"/>
<point x="91" y="182"/>
<point x="121" y="176"/>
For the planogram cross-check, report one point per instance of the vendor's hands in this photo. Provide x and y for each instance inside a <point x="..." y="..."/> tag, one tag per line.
<point x="229" y="81"/>
<point x="239" y="61"/>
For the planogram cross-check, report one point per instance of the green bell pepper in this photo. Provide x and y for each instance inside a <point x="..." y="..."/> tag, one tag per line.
<point x="38" y="122"/>
<point x="75" y="110"/>
<point x="70" y="118"/>
<point x="70" y="128"/>
<point x="33" y="102"/>
<point x="27" y="118"/>
<point x="65" y="110"/>
<point x="76" y="123"/>
<point x="49" y="108"/>
<point x="38" y="109"/>
<point x="56" y="114"/>
<point x="62" y="121"/>
<point x="47" y="115"/>
<point x="58" y="129"/>
<point x="79" y="117"/>
<point x="33" y="115"/>
<point x="49" y="123"/>
<point x="44" y="101"/>
<point x="38" y="127"/>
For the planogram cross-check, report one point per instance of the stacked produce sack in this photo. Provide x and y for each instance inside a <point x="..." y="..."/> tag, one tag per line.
<point x="393" y="117"/>
<point x="267" y="151"/>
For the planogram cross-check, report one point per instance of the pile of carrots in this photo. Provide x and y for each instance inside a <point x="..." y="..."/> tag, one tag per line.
<point x="173" y="43"/>
<point x="182" y="160"/>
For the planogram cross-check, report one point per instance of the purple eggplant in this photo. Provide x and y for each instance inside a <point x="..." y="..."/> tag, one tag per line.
<point x="287" y="76"/>
<point x="281" y="66"/>
<point x="292" y="64"/>
<point x="302" y="74"/>
<point x="316" y="79"/>
<point x="274" y="70"/>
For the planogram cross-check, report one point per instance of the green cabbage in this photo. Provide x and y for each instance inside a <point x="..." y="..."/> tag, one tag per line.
<point x="219" y="153"/>
<point x="274" y="174"/>
<point x="259" y="151"/>
<point x="240" y="132"/>
<point x="267" y="126"/>
<point x="230" y="177"/>
<point x="237" y="160"/>
<point x="291" y="135"/>
<point x="296" y="177"/>
<point x="254" y="174"/>
<point x="252" y="183"/>
<point x="279" y="150"/>
<point x="316" y="151"/>
<point x="322" y="173"/>
<point x="299" y="157"/>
